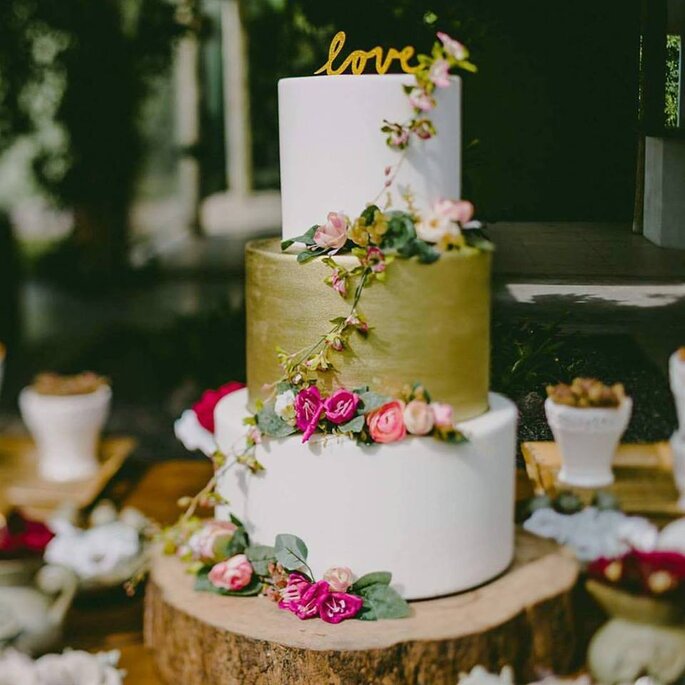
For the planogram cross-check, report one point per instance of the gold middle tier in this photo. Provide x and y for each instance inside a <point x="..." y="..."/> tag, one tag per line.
<point x="430" y="323"/>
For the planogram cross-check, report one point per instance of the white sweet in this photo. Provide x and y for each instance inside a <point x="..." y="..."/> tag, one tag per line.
<point x="480" y="676"/>
<point x="438" y="516"/>
<point x="94" y="552"/>
<point x="69" y="668"/>
<point x="193" y="435"/>
<point x="592" y="533"/>
<point x="333" y="153"/>
<point x="672" y="537"/>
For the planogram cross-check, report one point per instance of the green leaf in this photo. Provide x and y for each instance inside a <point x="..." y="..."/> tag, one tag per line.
<point x="306" y="238"/>
<point x="427" y="254"/>
<point x="369" y="212"/>
<point x="382" y="602"/>
<point x="475" y="237"/>
<point x="372" y="400"/>
<point x="307" y="255"/>
<point x="272" y="424"/>
<point x="236" y="521"/>
<point x="374" y="578"/>
<point x="237" y="544"/>
<point x="291" y="552"/>
<point x="400" y="232"/>
<point x="203" y="584"/>
<point x="353" y="426"/>
<point x="260" y="556"/>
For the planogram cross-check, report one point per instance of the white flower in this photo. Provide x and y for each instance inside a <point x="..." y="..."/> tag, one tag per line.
<point x="285" y="406"/>
<point x="77" y="667"/>
<point x="592" y="533"/>
<point x="94" y="552"/>
<point x="73" y="667"/>
<point x="434" y="227"/>
<point x="16" y="667"/>
<point x="193" y="436"/>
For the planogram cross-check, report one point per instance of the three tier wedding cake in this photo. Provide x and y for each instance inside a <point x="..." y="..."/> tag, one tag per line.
<point x="366" y="427"/>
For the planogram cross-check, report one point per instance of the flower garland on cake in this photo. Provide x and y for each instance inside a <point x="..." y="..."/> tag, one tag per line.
<point x="219" y="553"/>
<point x="224" y="562"/>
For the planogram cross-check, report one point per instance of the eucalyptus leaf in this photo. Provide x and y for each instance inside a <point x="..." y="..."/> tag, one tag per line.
<point x="353" y="426"/>
<point x="237" y="544"/>
<point x="272" y="424"/>
<point x="260" y="556"/>
<point x="382" y="602"/>
<point x="291" y="552"/>
<point x="372" y="400"/>
<point x="374" y="578"/>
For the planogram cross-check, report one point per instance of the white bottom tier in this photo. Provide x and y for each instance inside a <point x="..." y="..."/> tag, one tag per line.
<point x="439" y="517"/>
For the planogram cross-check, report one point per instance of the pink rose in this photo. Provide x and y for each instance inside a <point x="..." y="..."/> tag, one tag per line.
<point x="386" y="423"/>
<point x="418" y="418"/>
<point x="332" y="234"/>
<point x="460" y="211"/>
<point x="341" y="406"/>
<point x="337" y="606"/>
<point x="308" y="410"/>
<point x="339" y="282"/>
<point x="453" y="47"/>
<point x="439" y="73"/>
<point x="442" y="414"/>
<point x="420" y="99"/>
<point x="292" y="593"/>
<point x="375" y="258"/>
<point x="339" y="578"/>
<point x="233" y="574"/>
<point x="206" y="543"/>
<point x="204" y="408"/>
<point x="423" y="128"/>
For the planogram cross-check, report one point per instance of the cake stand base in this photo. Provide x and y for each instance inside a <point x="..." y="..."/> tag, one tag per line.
<point x="523" y="618"/>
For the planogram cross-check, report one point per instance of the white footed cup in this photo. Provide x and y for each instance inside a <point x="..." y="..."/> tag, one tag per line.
<point x="587" y="439"/>
<point x="66" y="430"/>
<point x="678" y="450"/>
<point x="676" y="372"/>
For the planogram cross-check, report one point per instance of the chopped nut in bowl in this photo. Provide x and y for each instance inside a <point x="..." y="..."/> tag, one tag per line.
<point x="49" y="383"/>
<point x="587" y="392"/>
<point x="587" y="419"/>
<point x="65" y="415"/>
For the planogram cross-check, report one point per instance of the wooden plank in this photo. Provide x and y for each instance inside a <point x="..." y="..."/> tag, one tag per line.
<point x="644" y="477"/>
<point x="21" y="486"/>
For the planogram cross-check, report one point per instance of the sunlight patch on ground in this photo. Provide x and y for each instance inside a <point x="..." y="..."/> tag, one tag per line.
<point x="652" y="295"/>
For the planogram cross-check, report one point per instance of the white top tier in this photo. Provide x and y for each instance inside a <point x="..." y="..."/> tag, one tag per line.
<point x="333" y="153"/>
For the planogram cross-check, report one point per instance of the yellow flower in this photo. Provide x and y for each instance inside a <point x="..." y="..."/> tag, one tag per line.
<point x="378" y="228"/>
<point x="359" y="234"/>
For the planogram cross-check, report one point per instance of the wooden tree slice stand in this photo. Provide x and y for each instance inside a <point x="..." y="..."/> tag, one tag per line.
<point x="523" y="618"/>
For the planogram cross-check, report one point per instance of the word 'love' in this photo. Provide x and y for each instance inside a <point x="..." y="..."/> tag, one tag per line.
<point x="358" y="59"/>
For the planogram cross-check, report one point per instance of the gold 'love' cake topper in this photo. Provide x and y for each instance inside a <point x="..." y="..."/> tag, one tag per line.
<point x="358" y="59"/>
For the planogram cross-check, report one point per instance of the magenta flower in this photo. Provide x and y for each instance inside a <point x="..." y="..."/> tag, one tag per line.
<point x="308" y="411"/>
<point x="341" y="406"/>
<point x="310" y="600"/>
<point x="291" y="594"/>
<point x="337" y="606"/>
